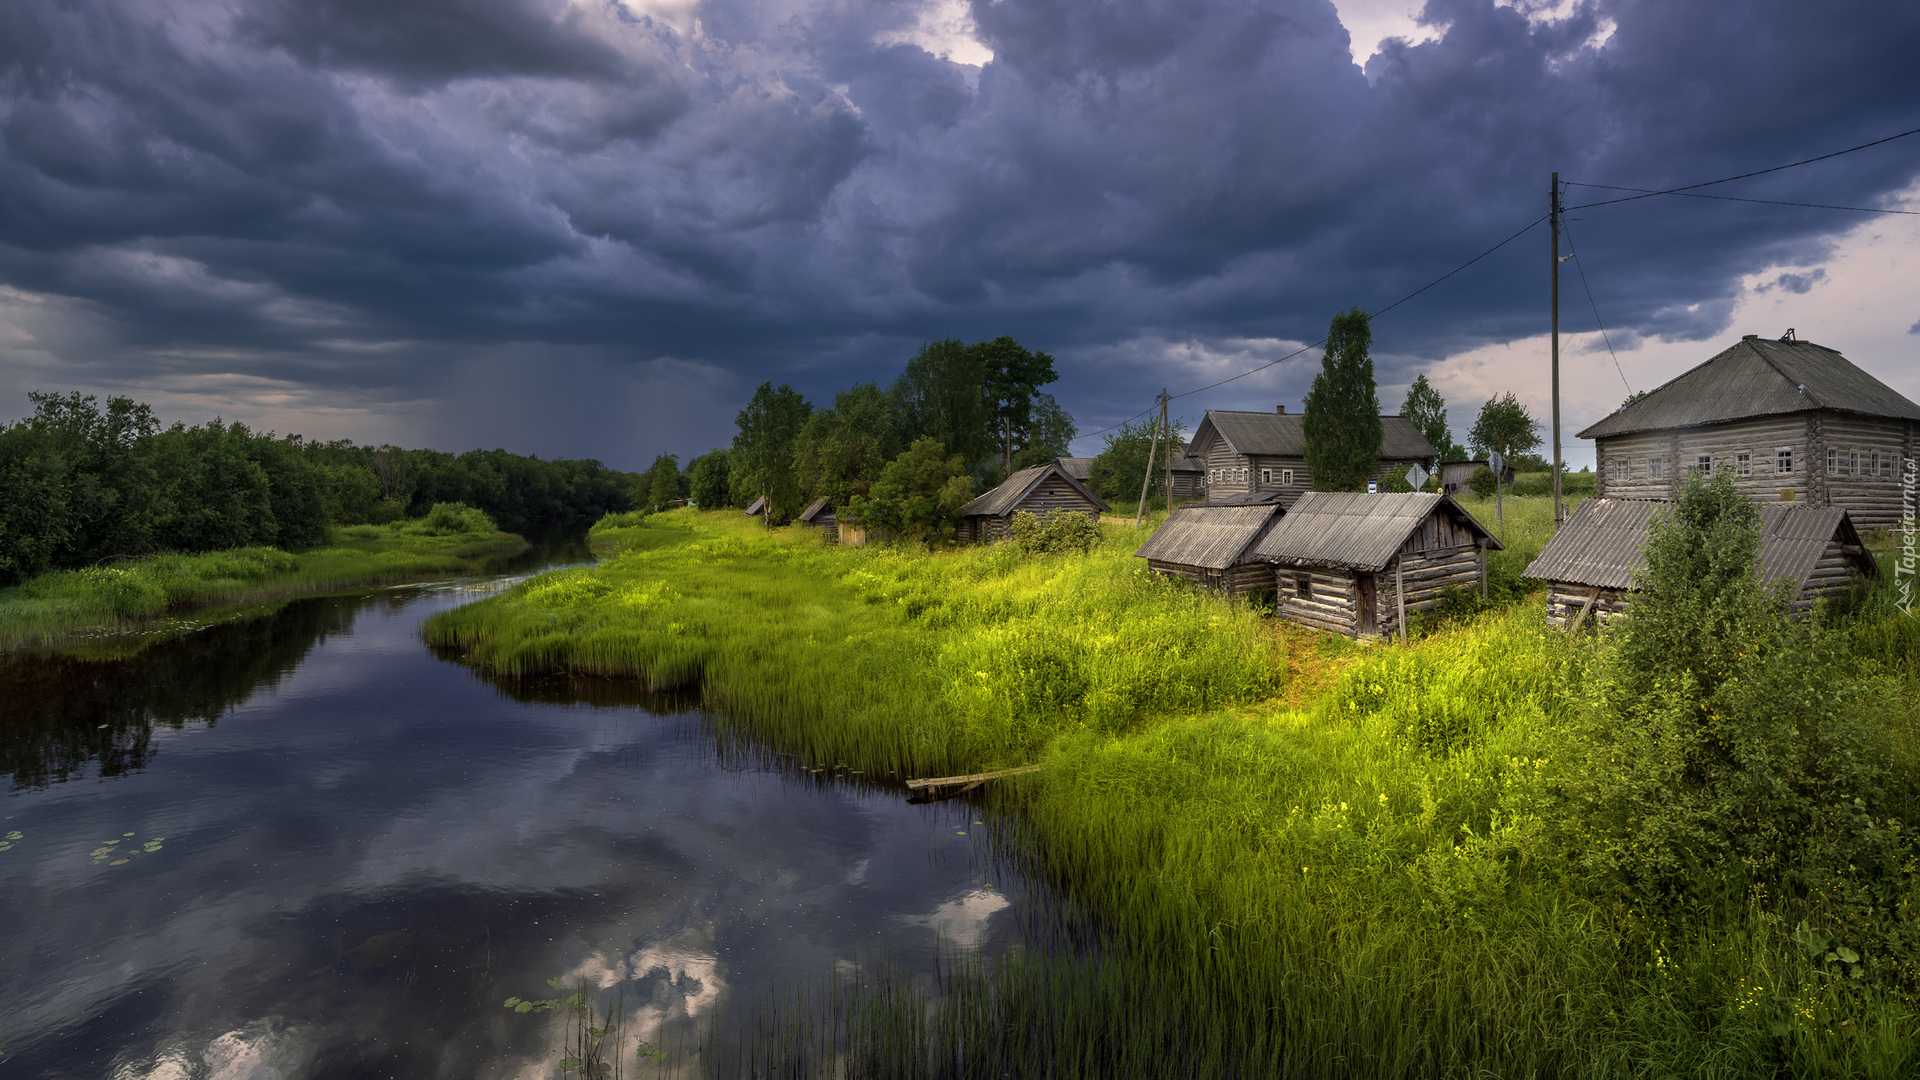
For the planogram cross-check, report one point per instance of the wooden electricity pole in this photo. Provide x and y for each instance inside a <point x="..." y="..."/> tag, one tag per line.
<point x="1168" y="428"/>
<point x="1559" y="507"/>
<point x="1146" y="478"/>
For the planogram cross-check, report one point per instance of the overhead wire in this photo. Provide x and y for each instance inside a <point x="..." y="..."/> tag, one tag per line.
<point x="1736" y="198"/>
<point x="1645" y="194"/>
<point x="1574" y="250"/>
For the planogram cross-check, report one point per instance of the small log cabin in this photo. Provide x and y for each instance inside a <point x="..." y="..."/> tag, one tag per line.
<point x="1256" y="451"/>
<point x="1343" y="561"/>
<point x="819" y="515"/>
<point x="1212" y="543"/>
<point x="757" y="507"/>
<point x="1039" y="490"/>
<point x="1793" y="421"/>
<point x="1456" y="475"/>
<point x="1589" y="565"/>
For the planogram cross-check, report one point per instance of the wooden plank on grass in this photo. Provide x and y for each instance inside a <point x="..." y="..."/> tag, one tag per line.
<point x="972" y="778"/>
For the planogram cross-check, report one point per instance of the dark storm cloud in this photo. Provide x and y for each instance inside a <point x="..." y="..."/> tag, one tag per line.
<point x="798" y="192"/>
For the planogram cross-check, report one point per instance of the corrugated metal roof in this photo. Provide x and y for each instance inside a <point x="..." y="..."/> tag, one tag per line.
<point x="1209" y="536"/>
<point x="1269" y="497"/>
<point x="1284" y="435"/>
<point x="1604" y="542"/>
<point x="1001" y="500"/>
<point x="1077" y="467"/>
<point x="757" y="505"/>
<point x="814" y="508"/>
<point x="1354" y="529"/>
<point x="1600" y="544"/>
<point x="1757" y="377"/>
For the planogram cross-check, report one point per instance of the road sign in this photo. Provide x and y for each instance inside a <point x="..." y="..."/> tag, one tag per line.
<point x="1373" y="487"/>
<point x="1417" y="477"/>
<point x="1495" y="462"/>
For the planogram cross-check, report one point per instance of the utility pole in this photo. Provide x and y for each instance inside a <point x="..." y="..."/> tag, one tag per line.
<point x="1559" y="507"/>
<point x="1168" y="428"/>
<point x="1146" y="479"/>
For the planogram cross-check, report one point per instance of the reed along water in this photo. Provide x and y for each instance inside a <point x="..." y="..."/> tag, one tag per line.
<point x="301" y="845"/>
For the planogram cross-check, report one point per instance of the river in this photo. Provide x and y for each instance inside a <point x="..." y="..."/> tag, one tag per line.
<point x="301" y="845"/>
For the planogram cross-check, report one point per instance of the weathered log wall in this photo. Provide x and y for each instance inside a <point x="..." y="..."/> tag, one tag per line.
<point x="1564" y="601"/>
<point x="1334" y="603"/>
<point x="1425" y="577"/>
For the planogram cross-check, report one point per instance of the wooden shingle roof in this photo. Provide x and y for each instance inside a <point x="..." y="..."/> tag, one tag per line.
<point x="1002" y="500"/>
<point x="1209" y="535"/>
<point x="1077" y="467"/>
<point x="1284" y="434"/>
<point x="1356" y="530"/>
<point x="1757" y="377"/>
<point x="757" y="506"/>
<point x="815" y="508"/>
<point x="1604" y="542"/>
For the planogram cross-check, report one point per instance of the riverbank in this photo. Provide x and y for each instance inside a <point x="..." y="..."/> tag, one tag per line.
<point x="136" y="600"/>
<point x="1317" y="858"/>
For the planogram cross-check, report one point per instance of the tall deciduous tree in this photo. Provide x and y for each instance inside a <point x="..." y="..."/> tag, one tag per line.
<point x="1342" y="422"/>
<point x="1012" y="376"/>
<point x="763" y="449"/>
<point x="1049" y="435"/>
<point x="941" y="395"/>
<point x="842" y="449"/>
<point x="918" y="495"/>
<point x="708" y="480"/>
<point x="1428" y="411"/>
<point x="1504" y="425"/>
<point x="1121" y="466"/>
<point x="661" y="482"/>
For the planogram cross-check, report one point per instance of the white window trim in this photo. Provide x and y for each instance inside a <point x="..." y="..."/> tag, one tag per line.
<point x="1266" y="476"/>
<point x="1286" y="477"/>
<point x="1780" y="455"/>
<point x="1743" y="464"/>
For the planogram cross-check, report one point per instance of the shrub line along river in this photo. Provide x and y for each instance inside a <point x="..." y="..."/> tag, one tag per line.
<point x="301" y="845"/>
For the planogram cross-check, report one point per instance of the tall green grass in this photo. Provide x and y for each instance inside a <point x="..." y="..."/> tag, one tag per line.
<point x="1378" y="882"/>
<point x="134" y="595"/>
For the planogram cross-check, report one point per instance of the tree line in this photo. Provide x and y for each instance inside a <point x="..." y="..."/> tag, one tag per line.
<point x="86" y="482"/>
<point x="901" y="458"/>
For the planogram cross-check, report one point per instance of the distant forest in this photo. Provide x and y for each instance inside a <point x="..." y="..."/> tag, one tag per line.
<point x="85" y="483"/>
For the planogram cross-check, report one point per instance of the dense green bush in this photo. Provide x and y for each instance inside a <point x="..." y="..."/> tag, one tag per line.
<point x="1481" y="482"/>
<point x="1055" y="532"/>
<point x="451" y="519"/>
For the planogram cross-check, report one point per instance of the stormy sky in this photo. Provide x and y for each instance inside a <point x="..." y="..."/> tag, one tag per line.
<point x="590" y="228"/>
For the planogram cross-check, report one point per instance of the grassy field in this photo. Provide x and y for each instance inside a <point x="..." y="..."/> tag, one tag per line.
<point x="139" y="600"/>
<point x="1311" y="857"/>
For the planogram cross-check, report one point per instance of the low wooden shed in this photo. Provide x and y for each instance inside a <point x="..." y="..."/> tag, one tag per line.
<point x="757" y="507"/>
<point x="819" y="515"/>
<point x="1041" y="489"/>
<point x="1359" y="564"/>
<point x="1212" y="543"/>
<point x="1589" y="565"/>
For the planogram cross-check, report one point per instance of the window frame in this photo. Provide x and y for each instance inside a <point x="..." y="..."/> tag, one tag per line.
<point x="1286" y="477"/>
<point x="1833" y="461"/>
<point x="1853" y="463"/>
<point x="1703" y="465"/>
<point x="1266" y="477"/>
<point x="1783" y="461"/>
<point x="1657" y="468"/>
<point x="1743" y="464"/>
<point x="1302" y="585"/>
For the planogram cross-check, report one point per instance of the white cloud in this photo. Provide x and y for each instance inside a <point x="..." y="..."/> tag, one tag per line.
<point x="944" y="28"/>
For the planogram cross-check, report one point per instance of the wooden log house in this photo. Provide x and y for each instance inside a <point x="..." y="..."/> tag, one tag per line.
<point x="1359" y="564"/>
<point x="1257" y="451"/>
<point x="1589" y="565"/>
<point x="1041" y="489"/>
<point x="1792" y="420"/>
<point x="819" y="516"/>
<point x="1212" y="543"/>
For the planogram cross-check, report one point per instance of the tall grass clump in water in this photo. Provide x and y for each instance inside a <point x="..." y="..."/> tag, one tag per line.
<point x="1464" y="857"/>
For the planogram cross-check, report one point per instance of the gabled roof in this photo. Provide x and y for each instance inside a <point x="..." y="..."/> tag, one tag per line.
<point x="757" y="506"/>
<point x="1604" y="542"/>
<point x="1209" y="535"/>
<point x="1756" y="377"/>
<point x="1185" y="460"/>
<point x="1354" y="529"/>
<point x="1284" y="434"/>
<point x="1077" y="467"/>
<point x="815" y="508"/>
<point x="1002" y="500"/>
<point x="1269" y="497"/>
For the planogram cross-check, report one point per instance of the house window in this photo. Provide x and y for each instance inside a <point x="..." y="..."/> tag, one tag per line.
<point x="1886" y="465"/>
<point x="1743" y="464"/>
<point x="1303" y="586"/>
<point x="1243" y="474"/>
<point x="1620" y="470"/>
<point x="1703" y="464"/>
<point x="1286" y="477"/>
<point x="1833" y="461"/>
<point x="1853" y="463"/>
<point x="1783" y="460"/>
<point x="1657" y="469"/>
<point x="1266" y="477"/>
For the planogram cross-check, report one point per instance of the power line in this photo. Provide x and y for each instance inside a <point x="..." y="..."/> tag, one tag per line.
<point x="1735" y="198"/>
<point x="1742" y="176"/>
<point x="1575" y="252"/>
<point x="1254" y="371"/>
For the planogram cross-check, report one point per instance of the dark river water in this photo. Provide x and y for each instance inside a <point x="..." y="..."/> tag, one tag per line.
<point x="303" y="846"/>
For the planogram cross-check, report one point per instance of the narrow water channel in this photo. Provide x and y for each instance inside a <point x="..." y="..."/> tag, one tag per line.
<point x="303" y="846"/>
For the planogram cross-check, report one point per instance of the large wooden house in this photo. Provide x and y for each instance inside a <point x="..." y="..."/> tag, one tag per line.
<point x="1359" y="564"/>
<point x="1791" y="420"/>
<point x="1041" y="489"/>
<point x="1213" y="543"/>
<point x="1257" y="451"/>
<point x="1589" y="565"/>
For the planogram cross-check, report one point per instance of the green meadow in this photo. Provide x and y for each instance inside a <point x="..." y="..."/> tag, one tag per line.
<point x="1303" y="856"/>
<point x="134" y="601"/>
